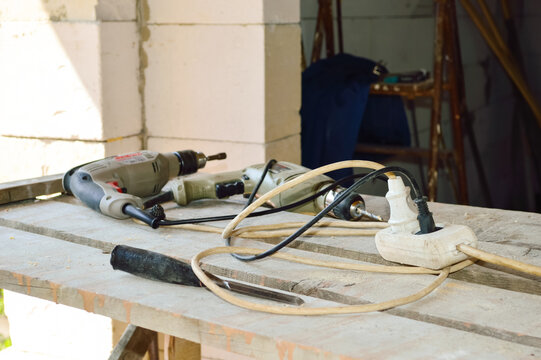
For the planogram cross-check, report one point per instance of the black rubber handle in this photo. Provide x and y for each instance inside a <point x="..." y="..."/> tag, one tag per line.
<point x="153" y="266"/>
<point x="139" y="214"/>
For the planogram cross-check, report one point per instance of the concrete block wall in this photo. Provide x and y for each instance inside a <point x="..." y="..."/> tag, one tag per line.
<point x="87" y="79"/>
<point x="116" y="76"/>
<point x="69" y="95"/>
<point x="70" y="90"/>
<point x="225" y="79"/>
<point x="401" y="34"/>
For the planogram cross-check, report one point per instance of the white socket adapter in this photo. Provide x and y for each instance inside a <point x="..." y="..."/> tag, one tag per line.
<point x="400" y="242"/>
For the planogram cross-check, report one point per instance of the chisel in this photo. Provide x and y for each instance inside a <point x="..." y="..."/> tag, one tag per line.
<point x="155" y="266"/>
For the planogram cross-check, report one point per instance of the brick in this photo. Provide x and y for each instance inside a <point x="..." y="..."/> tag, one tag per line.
<point x="281" y="11"/>
<point x="239" y="155"/>
<point x="224" y="11"/>
<point x="53" y="10"/>
<point x="234" y="83"/>
<point x="121" y="101"/>
<point x="62" y="10"/>
<point x="34" y="157"/>
<point x="64" y="80"/>
<point x="287" y="149"/>
<point x="282" y="81"/>
<point x="50" y="82"/>
<point x="116" y="10"/>
<point x="206" y="82"/>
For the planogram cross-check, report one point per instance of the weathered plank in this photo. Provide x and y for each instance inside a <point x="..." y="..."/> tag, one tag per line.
<point x="81" y="277"/>
<point x="30" y="188"/>
<point x="67" y="219"/>
<point x="331" y="285"/>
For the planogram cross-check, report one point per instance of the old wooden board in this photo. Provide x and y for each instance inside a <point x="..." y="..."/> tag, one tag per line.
<point x="459" y="307"/>
<point x="80" y="276"/>
<point x="30" y="188"/>
<point x="509" y="233"/>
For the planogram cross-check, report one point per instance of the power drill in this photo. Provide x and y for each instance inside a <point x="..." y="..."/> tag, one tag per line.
<point x="115" y="186"/>
<point x="224" y="185"/>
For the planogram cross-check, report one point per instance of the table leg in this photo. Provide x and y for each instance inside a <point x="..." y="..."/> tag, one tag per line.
<point x="134" y="344"/>
<point x="177" y="349"/>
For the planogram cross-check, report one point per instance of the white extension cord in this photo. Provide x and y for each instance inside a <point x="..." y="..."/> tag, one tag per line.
<point x="401" y="243"/>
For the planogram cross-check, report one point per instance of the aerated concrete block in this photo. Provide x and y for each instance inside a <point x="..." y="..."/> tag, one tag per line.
<point x="31" y="158"/>
<point x="116" y="10"/>
<point x="53" y="10"/>
<point x="282" y="81"/>
<point x="239" y="155"/>
<point x="223" y="82"/>
<point x="61" y="10"/>
<point x="69" y="80"/>
<point x="224" y="11"/>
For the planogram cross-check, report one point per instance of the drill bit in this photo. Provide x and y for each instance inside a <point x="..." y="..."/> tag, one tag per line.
<point x="219" y="156"/>
<point x="368" y="214"/>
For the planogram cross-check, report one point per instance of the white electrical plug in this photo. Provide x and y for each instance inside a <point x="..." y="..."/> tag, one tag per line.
<point x="401" y="243"/>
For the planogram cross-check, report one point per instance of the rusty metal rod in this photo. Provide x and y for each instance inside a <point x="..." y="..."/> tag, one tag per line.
<point x="456" y="101"/>
<point x="436" y="106"/>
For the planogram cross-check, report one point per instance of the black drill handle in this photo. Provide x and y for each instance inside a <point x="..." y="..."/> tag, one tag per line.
<point x="153" y="266"/>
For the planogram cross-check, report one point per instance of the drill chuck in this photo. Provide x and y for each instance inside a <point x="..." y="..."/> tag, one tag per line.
<point x="352" y="208"/>
<point x="191" y="161"/>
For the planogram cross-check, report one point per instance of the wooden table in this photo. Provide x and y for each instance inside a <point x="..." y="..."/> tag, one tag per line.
<point x="58" y="250"/>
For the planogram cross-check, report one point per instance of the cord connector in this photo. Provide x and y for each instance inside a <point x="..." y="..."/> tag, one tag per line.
<point x="426" y="221"/>
<point x="403" y="216"/>
<point x="413" y="238"/>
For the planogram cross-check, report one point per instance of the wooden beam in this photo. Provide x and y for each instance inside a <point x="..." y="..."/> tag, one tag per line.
<point x="30" y="188"/>
<point x="134" y="344"/>
<point x="180" y="349"/>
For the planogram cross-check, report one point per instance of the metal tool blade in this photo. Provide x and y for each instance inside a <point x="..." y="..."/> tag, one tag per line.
<point x="255" y="291"/>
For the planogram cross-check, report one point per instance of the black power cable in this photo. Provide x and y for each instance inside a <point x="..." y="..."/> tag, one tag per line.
<point x="419" y="200"/>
